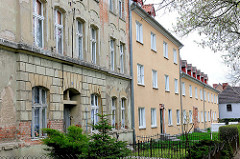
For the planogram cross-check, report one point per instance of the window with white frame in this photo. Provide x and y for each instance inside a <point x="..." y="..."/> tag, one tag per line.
<point x="59" y="31"/>
<point x="141" y="118"/>
<point x="201" y="95"/>
<point x="208" y="97"/>
<point x="212" y="97"/>
<point x="215" y="115"/>
<point x="183" y="88"/>
<point x="212" y="115"/>
<point x="139" y="32"/>
<point x="123" y="113"/>
<point x="112" y="54"/>
<point x="196" y="93"/>
<point x="178" y="116"/>
<point x="94" y="45"/>
<point x="190" y="116"/>
<point x="114" y="101"/>
<point x="38" y="19"/>
<point x="140" y="74"/>
<point x="204" y="95"/>
<point x="154" y="79"/>
<point x="198" y="116"/>
<point x="153" y="117"/>
<point x="176" y="85"/>
<point x="205" y="116"/>
<point x="112" y="5"/>
<point x="190" y="90"/>
<point x="80" y="39"/>
<point x="165" y="49"/>
<point x="153" y="41"/>
<point x="201" y="116"/>
<point x="94" y="109"/>
<point x="175" y="58"/>
<point x="184" y="117"/>
<point x="39" y="111"/>
<point x="167" y="83"/>
<point x="209" y="116"/>
<point x="121" y="58"/>
<point x="170" y="117"/>
<point x="217" y="99"/>
<point x="121" y="9"/>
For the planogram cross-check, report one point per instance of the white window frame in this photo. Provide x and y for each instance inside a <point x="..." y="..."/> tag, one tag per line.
<point x="170" y="117"/>
<point x="154" y="79"/>
<point x="208" y="97"/>
<point x="217" y="99"/>
<point x="139" y="32"/>
<point x="141" y="118"/>
<point x="190" y="117"/>
<point x="196" y="93"/>
<point x="175" y="57"/>
<point x="201" y="95"/>
<point x="36" y="19"/>
<point x="123" y="113"/>
<point x="183" y="89"/>
<point x="112" y="54"/>
<point x="202" y="116"/>
<point x="59" y="27"/>
<point x="178" y="116"/>
<point x="94" y="109"/>
<point x="153" y="42"/>
<point x="167" y="83"/>
<point x="94" y="43"/>
<point x="40" y="105"/>
<point x="184" y="117"/>
<point x="165" y="49"/>
<point x="80" y="28"/>
<point x="198" y="116"/>
<point x="212" y="97"/>
<point x="204" y="95"/>
<point x="176" y="85"/>
<point x="140" y="74"/>
<point x="121" y="5"/>
<point x="215" y="115"/>
<point x="121" y="58"/>
<point x="112" y="5"/>
<point x="113" y="101"/>
<point x="205" y="116"/>
<point x="190" y="91"/>
<point x="209" y="116"/>
<point x="153" y="118"/>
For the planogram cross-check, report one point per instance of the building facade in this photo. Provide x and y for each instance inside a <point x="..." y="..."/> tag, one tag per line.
<point x="62" y="63"/>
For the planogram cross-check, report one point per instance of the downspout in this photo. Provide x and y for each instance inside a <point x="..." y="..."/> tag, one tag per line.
<point x="131" y="70"/>
<point x="180" y="81"/>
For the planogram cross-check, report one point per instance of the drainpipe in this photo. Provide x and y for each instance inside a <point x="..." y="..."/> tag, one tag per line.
<point x="180" y="81"/>
<point x="131" y="70"/>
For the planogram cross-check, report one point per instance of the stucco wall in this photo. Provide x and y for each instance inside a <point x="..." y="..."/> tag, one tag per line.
<point x="223" y="113"/>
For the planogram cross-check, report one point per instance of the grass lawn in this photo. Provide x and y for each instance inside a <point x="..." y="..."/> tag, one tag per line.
<point x="200" y="136"/>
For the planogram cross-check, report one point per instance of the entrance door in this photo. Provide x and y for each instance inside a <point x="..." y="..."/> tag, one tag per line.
<point x="195" y="117"/>
<point x="67" y="117"/>
<point x="161" y="121"/>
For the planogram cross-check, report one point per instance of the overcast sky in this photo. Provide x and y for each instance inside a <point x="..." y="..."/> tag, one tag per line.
<point x="203" y="58"/>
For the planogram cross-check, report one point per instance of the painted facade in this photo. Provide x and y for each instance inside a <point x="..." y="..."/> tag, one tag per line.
<point x="53" y="77"/>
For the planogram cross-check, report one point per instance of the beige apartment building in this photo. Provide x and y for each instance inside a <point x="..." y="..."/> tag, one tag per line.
<point x="62" y="62"/>
<point x="162" y="100"/>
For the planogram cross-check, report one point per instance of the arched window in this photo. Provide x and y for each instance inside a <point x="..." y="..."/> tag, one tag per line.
<point x="39" y="111"/>
<point x="114" y="103"/>
<point x="123" y="113"/>
<point x="94" y="109"/>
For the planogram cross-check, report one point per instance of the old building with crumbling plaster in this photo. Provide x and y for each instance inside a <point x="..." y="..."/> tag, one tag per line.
<point x="61" y="63"/>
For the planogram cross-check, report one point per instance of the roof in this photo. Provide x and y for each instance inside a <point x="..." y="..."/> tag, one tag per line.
<point x="230" y="95"/>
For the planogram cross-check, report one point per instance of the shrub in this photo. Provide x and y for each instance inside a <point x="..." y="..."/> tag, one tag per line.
<point x="227" y="132"/>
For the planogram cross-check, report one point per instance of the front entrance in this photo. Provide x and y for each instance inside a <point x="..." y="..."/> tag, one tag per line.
<point x="195" y="117"/>
<point x="161" y="121"/>
<point x="67" y="116"/>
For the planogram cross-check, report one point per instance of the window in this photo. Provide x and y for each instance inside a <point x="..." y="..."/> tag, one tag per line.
<point x="121" y="9"/>
<point x="139" y="32"/>
<point x="80" y="39"/>
<point x="166" y="83"/>
<point x="39" y="111"/>
<point x="204" y="95"/>
<point x="165" y="49"/>
<point x="229" y="107"/>
<point x="178" y="117"/>
<point x="38" y="23"/>
<point x="176" y="85"/>
<point x="196" y="94"/>
<point x="169" y="116"/>
<point x="217" y="99"/>
<point x="198" y="116"/>
<point x="112" y="54"/>
<point x="94" y="109"/>
<point x="201" y="116"/>
<point x="190" y="91"/>
<point x="205" y="116"/>
<point x="208" y="97"/>
<point x="121" y="58"/>
<point x="190" y="116"/>
<point x="184" y="117"/>
<point x="94" y="45"/>
<point x="113" y="112"/>
<point x="112" y="5"/>
<point x="153" y="41"/>
<point x="209" y="116"/>
<point x="175" y="56"/>
<point x="59" y="31"/>
<point x="215" y="115"/>
<point x="123" y="115"/>
<point x="141" y="115"/>
<point x="154" y="79"/>
<point x="153" y="117"/>
<point x="201" y="94"/>
<point x="140" y="74"/>
<point x="183" y="88"/>
<point x="212" y="97"/>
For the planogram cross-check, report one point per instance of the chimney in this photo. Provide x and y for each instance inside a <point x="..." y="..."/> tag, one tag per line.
<point x="184" y="65"/>
<point x="194" y="72"/>
<point x="224" y="85"/>
<point x="149" y="8"/>
<point x="202" y="76"/>
<point x="139" y="2"/>
<point x="205" y="78"/>
<point x="199" y="75"/>
<point x="215" y="86"/>
<point x="189" y="69"/>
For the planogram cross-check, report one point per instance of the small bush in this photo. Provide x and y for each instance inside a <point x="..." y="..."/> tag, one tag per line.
<point x="227" y="132"/>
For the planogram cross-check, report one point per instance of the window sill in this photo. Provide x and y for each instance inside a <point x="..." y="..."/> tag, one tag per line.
<point x="176" y="93"/>
<point x="123" y="19"/>
<point x="196" y="98"/>
<point x="155" y="88"/>
<point x="142" y="85"/>
<point x="175" y="63"/>
<point x="112" y="12"/>
<point x="167" y="91"/>
<point x="142" y="128"/>
<point x="96" y="1"/>
<point x="154" y="127"/>
<point x="166" y="58"/>
<point x="155" y="51"/>
<point x="184" y="95"/>
<point x="170" y="125"/>
<point x="190" y="97"/>
<point x="139" y="42"/>
<point x="178" y="124"/>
